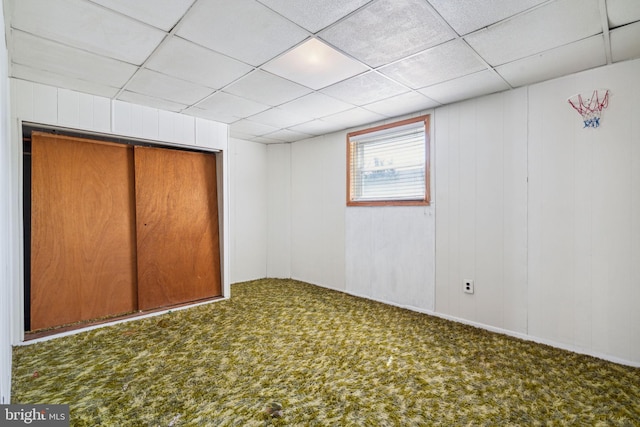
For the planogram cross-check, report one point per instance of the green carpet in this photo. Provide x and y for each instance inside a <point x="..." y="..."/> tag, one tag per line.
<point x="328" y="359"/>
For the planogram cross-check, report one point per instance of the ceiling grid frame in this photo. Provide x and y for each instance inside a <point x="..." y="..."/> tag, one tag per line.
<point x="463" y="21"/>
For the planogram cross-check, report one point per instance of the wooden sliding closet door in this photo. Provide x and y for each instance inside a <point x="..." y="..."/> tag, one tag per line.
<point x="83" y="262"/>
<point x="177" y="227"/>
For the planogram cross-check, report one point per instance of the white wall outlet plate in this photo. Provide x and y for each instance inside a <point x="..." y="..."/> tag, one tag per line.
<point x="467" y="286"/>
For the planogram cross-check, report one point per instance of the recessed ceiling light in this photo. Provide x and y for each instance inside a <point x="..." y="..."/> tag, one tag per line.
<point x="315" y="64"/>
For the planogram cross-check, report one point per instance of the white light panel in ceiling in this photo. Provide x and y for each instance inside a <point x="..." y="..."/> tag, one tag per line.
<point x="315" y="65"/>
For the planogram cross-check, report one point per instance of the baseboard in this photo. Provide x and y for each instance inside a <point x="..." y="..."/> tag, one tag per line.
<point x="507" y="332"/>
<point x="115" y="322"/>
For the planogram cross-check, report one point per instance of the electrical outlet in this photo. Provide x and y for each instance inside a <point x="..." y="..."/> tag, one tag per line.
<point x="468" y="286"/>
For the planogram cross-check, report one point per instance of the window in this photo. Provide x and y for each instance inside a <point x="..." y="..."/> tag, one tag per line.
<point x="389" y="164"/>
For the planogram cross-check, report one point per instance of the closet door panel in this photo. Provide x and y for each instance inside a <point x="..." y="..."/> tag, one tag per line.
<point x="83" y="262"/>
<point x="177" y="227"/>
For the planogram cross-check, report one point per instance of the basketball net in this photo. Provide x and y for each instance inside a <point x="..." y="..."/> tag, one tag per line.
<point x="590" y="108"/>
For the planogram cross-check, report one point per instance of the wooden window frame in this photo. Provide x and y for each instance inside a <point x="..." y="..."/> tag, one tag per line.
<point x="409" y="202"/>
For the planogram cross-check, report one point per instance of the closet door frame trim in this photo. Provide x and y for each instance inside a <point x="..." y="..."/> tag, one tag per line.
<point x="24" y="130"/>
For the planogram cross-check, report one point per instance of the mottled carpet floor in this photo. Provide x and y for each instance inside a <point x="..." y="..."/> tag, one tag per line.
<point x="282" y="352"/>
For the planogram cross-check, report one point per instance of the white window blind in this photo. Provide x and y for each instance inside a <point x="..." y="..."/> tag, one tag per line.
<point x="389" y="164"/>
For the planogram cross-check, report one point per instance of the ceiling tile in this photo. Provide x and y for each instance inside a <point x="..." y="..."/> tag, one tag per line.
<point x="89" y="27"/>
<point x="231" y="104"/>
<point x="239" y="62"/>
<point x="265" y="140"/>
<point x="266" y="88"/>
<point x="314" y="15"/>
<point x="567" y="59"/>
<point x="162" y="14"/>
<point x="313" y="127"/>
<point x="476" y="84"/>
<point x="621" y="12"/>
<point x="53" y="57"/>
<point x="365" y="88"/>
<point x="316" y="105"/>
<point x="447" y="61"/>
<point x="402" y="104"/>
<point x="354" y="117"/>
<point x="287" y="135"/>
<point x="62" y="81"/>
<point x="552" y="25"/>
<point x="216" y="116"/>
<point x="466" y="16"/>
<point x="625" y="42"/>
<point x="240" y="135"/>
<point x="315" y="65"/>
<point x="388" y="30"/>
<point x="280" y="118"/>
<point x="243" y="29"/>
<point x="188" y="61"/>
<point x="150" y="101"/>
<point x="252" y="128"/>
<point x="157" y="85"/>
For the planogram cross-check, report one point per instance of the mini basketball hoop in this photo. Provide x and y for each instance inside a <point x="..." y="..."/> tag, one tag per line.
<point x="590" y="108"/>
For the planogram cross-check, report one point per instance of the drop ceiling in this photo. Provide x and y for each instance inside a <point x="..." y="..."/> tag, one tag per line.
<point x="283" y="70"/>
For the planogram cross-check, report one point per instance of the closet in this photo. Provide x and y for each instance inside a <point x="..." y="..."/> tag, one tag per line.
<point x="117" y="228"/>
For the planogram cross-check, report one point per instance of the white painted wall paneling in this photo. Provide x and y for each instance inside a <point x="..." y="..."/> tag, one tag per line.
<point x="279" y="210"/>
<point x="318" y="195"/>
<point x="481" y="187"/>
<point x="81" y="111"/>
<point x="584" y="215"/>
<point x="6" y="266"/>
<point x="211" y="134"/>
<point x="390" y="251"/>
<point x="249" y="209"/>
<point x="54" y="106"/>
